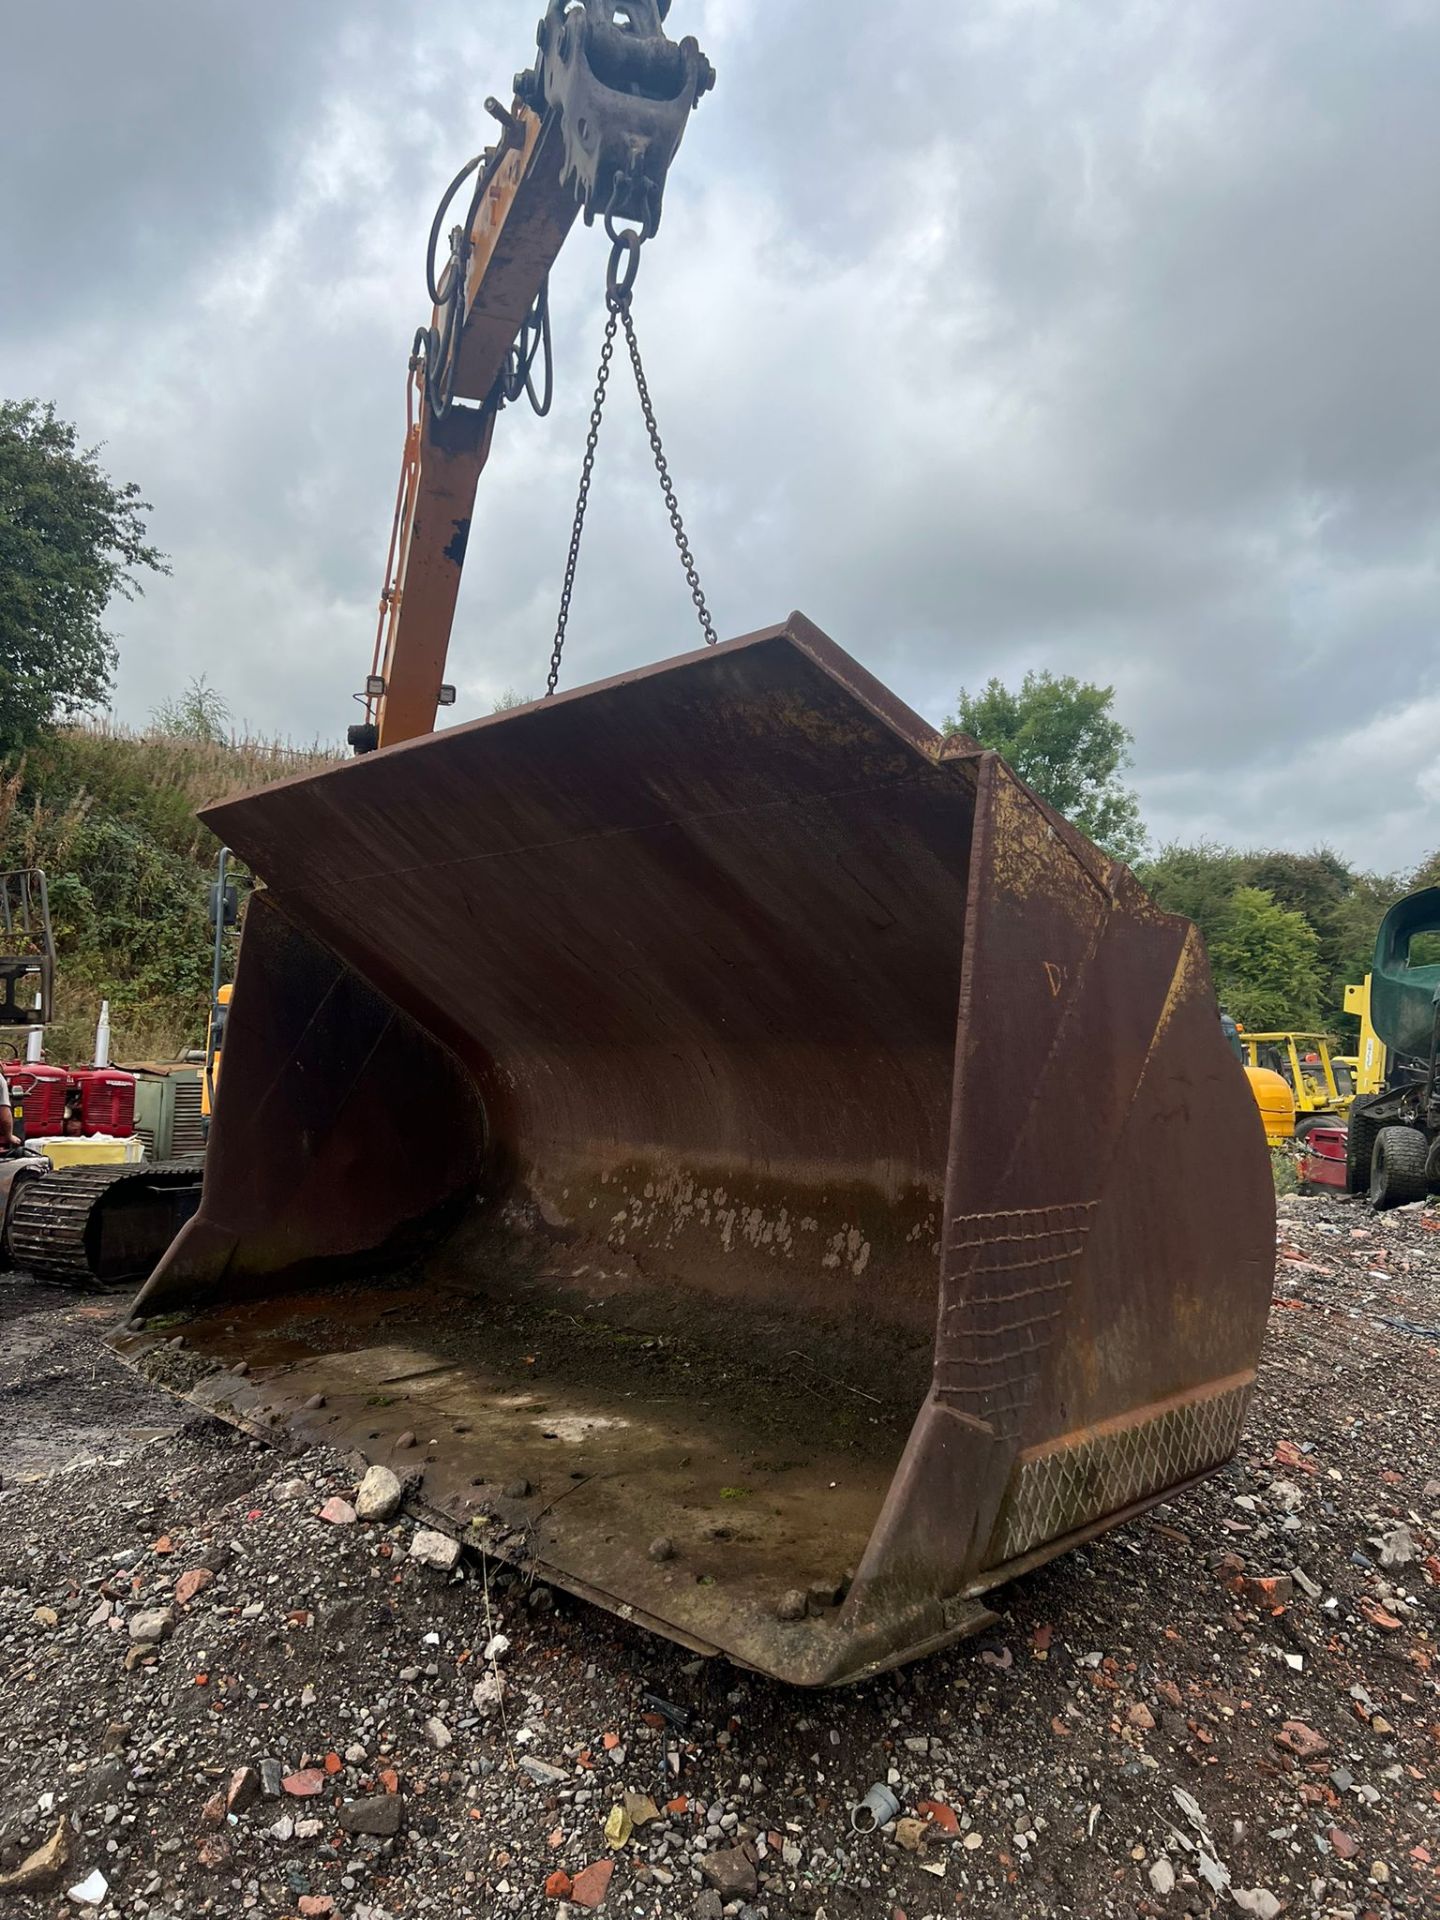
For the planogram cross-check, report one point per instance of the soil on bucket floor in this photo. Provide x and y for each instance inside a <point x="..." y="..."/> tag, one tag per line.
<point x="221" y="1693"/>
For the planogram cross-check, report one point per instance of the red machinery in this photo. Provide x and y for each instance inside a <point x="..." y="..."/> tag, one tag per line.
<point x="86" y="1223"/>
<point x="1322" y="1157"/>
<point x="101" y="1099"/>
<point x="106" y="1100"/>
<point x="37" y="1092"/>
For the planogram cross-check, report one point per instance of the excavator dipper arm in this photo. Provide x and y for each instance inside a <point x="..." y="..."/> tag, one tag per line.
<point x="594" y="127"/>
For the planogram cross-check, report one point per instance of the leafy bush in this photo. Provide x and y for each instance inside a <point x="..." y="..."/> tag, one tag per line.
<point x="1266" y="961"/>
<point x="201" y="712"/>
<point x="1283" y="1171"/>
<point x="1267" y="972"/>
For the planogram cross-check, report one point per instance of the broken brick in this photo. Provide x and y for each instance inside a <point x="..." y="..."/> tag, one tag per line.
<point x="938" y="1814"/>
<point x="1301" y="1740"/>
<point x="590" y="1886"/>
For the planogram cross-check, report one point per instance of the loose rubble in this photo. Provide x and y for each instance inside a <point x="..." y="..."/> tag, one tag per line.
<point x="220" y="1697"/>
<point x="379" y="1495"/>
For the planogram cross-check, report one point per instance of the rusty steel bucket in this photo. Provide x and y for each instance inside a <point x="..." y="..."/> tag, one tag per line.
<point x="783" y="1177"/>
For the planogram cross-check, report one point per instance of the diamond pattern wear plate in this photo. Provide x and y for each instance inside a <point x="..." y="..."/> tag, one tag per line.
<point x="1066" y="1487"/>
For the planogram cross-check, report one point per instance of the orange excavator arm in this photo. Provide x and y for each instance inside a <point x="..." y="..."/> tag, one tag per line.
<point x="593" y="128"/>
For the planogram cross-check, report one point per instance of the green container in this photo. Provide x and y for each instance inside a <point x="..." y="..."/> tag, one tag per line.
<point x="167" y="1112"/>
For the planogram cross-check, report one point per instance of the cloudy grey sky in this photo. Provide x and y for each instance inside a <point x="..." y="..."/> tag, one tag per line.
<point x="1066" y="333"/>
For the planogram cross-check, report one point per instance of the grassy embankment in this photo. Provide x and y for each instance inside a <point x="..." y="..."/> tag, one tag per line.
<point x="110" y="817"/>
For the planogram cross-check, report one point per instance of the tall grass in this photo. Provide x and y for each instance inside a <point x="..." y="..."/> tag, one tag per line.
<point x="184" y="774"/>
<point x="109" y="813"/>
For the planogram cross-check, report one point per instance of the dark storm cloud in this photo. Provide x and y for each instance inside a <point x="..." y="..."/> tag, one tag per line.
<point x="1084" y="336"/>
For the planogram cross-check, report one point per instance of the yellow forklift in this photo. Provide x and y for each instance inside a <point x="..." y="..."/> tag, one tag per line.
<point x="1367" y="1065"/>
<point x="1304" y="1062"/>
<point x="1270" y="1092"/>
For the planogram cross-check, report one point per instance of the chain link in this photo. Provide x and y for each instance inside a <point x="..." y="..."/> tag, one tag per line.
<point x="620" y="281"/>
<point x="587" y="470"/>
<point x="662" y="467"/>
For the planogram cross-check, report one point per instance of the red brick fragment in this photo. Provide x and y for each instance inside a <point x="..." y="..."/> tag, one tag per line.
<point x="589" y="1887"/>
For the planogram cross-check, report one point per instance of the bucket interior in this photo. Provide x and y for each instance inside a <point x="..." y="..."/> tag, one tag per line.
<point x="572" y="1413"/>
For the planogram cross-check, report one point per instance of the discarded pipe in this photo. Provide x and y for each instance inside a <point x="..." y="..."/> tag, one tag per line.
<point x="877" y="1809"/>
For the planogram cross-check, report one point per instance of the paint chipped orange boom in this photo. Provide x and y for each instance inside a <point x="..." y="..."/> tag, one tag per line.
<point x="594" y="126"/>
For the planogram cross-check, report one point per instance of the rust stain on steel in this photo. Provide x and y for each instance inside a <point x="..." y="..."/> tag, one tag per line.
<point x="727" y="1088"/>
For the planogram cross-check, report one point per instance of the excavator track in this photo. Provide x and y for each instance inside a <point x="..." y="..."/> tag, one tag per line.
<point x="93" y="1226"/>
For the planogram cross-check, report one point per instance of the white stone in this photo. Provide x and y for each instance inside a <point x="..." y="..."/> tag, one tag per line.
<point x="489" y="1693"/>
<point x="156" y="1623"/>
<point x="1257" y="1900"/>
<point x="378" y="1495"/>
<point x="433" y="1549"/>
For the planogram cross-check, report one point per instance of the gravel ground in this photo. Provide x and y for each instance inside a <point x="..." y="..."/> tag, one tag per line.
<point x="1229" y="1706"/>
<point x="61" y="1393"/>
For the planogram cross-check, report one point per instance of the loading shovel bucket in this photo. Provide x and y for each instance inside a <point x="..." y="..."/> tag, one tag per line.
<point x="757" y="1164"/>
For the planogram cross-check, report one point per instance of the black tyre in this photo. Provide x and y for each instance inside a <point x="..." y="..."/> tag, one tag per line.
<point x="1397" y="1171"/>
<point x="1359" y="1152"/>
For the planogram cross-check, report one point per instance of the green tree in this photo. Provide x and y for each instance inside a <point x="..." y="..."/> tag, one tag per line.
<point x="1061" y="735"/>
<point x="1310" y="883"/>
<point x="71" y="539"/>
<point x="1197" y="881"/>
<point x="201" y="712"/>
<point x="1347" y="941"/>
<point x="1342" y="907"/>
<point x="1267" y="964"/>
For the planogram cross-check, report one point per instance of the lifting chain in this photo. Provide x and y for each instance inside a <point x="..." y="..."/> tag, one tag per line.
<point x="625" y="244"/>
<point x="587" y="469"/>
